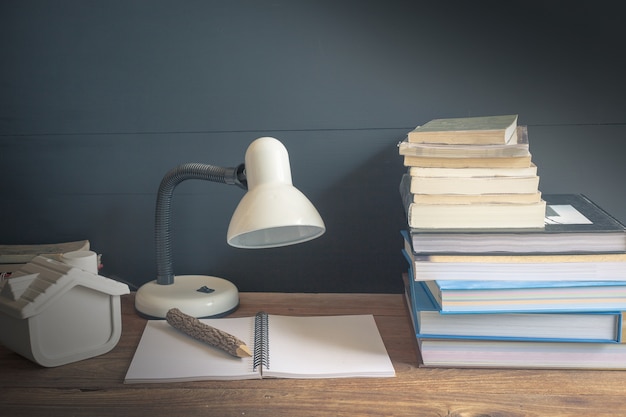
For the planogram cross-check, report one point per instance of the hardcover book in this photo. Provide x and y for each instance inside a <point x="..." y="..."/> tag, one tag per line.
<point x="527" y="296"/>
<point x="598" y="327"/>
<point x="518" y="267"/>
<point x="498" y="296"/>
<point x="462" y="353"/>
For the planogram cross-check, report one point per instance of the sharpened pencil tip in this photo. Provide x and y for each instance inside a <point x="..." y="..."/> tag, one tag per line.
<point x="244" y="351"/>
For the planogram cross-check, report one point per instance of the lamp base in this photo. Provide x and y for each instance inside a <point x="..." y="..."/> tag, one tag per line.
<point x="200" y="296"/>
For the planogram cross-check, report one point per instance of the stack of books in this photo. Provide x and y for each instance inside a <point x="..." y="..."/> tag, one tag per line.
<point x="514" y="296"/>
<point x="14" y="257"/>
<point x="473" y="172"/>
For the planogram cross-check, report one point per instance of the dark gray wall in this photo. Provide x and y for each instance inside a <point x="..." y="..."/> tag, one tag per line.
<point x="100" y="98"/>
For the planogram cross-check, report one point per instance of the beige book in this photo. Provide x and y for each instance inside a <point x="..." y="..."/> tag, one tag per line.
<point x="477" y="198"/>
<point x="474" y="185"/>
<point x="517" y="146"/>
<point x="435" y="162"/>
<point x="466" y="130"/>
<point x="528" y="171"/>
<point x="476" y="216"/>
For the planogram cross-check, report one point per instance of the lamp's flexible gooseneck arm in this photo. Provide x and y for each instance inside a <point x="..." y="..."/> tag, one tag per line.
<point x="231" y="176"/>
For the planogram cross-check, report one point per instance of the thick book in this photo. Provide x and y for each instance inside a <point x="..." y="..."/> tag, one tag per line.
<point x="284" y="347"/>
<point x="429" y="322"/>
<point x="496" y="296"/>
<point x="463" y="353"/>
<point x="527" y="296"/>
<point x="466" y="130"/>
<point x="573" y="224"/>
<point x="517" y="267"/>
<point x="518" y="146"/>
<point x="470" y="216"/>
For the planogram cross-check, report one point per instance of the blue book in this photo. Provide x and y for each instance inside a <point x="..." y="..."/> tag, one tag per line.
<point x="429" y="323"/>
<point x="494" y="296"/>
<point x="530" y="296"/>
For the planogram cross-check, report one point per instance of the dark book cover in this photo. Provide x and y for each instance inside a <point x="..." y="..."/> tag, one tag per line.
<point x="573" y="224"/>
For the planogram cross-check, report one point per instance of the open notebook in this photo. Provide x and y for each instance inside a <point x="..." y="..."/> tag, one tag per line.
<point x="284" y="347"/>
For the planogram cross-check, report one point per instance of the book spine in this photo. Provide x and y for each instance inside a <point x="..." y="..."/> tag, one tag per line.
<point x="261" y="342"/>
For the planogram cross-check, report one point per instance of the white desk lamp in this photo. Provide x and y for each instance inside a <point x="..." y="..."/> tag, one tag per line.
<point x="272" y="213"/>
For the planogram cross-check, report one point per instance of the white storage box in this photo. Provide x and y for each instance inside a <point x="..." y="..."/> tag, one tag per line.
<point x="54" y="314"/>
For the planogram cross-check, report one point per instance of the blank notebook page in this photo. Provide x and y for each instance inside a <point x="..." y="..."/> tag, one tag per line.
<point x="326" y="347"/>
<point x="165" y="354"/>
<point x="299" y="347"/>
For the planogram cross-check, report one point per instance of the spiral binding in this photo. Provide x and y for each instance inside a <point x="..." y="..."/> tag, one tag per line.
<point x="261" y="342"/>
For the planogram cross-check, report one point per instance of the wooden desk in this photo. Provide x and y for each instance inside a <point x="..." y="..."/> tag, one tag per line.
<point x="94" y="387"/>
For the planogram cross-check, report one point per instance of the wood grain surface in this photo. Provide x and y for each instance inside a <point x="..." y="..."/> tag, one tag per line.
<point x="94" y="387"/>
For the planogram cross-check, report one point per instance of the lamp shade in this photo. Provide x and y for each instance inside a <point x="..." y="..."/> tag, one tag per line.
<point x="273" y="212"/>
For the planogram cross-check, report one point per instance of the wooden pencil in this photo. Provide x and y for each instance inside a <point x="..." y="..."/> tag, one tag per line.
<point x="207" y="334"/>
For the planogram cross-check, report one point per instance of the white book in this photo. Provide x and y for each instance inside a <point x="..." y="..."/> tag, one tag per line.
<point x="516" y="267"/>
<point x="526" y="355"/>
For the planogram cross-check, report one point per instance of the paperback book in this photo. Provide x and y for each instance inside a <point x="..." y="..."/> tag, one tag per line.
<point x="466" y="130"/>
<point x="479" y="215"/>
<point x="468" y="162"/>
<point x="573" y="224"/>
<point x="473" y="185"/>
<point x="517" y="146"/>
<point x="528" y="171"/>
